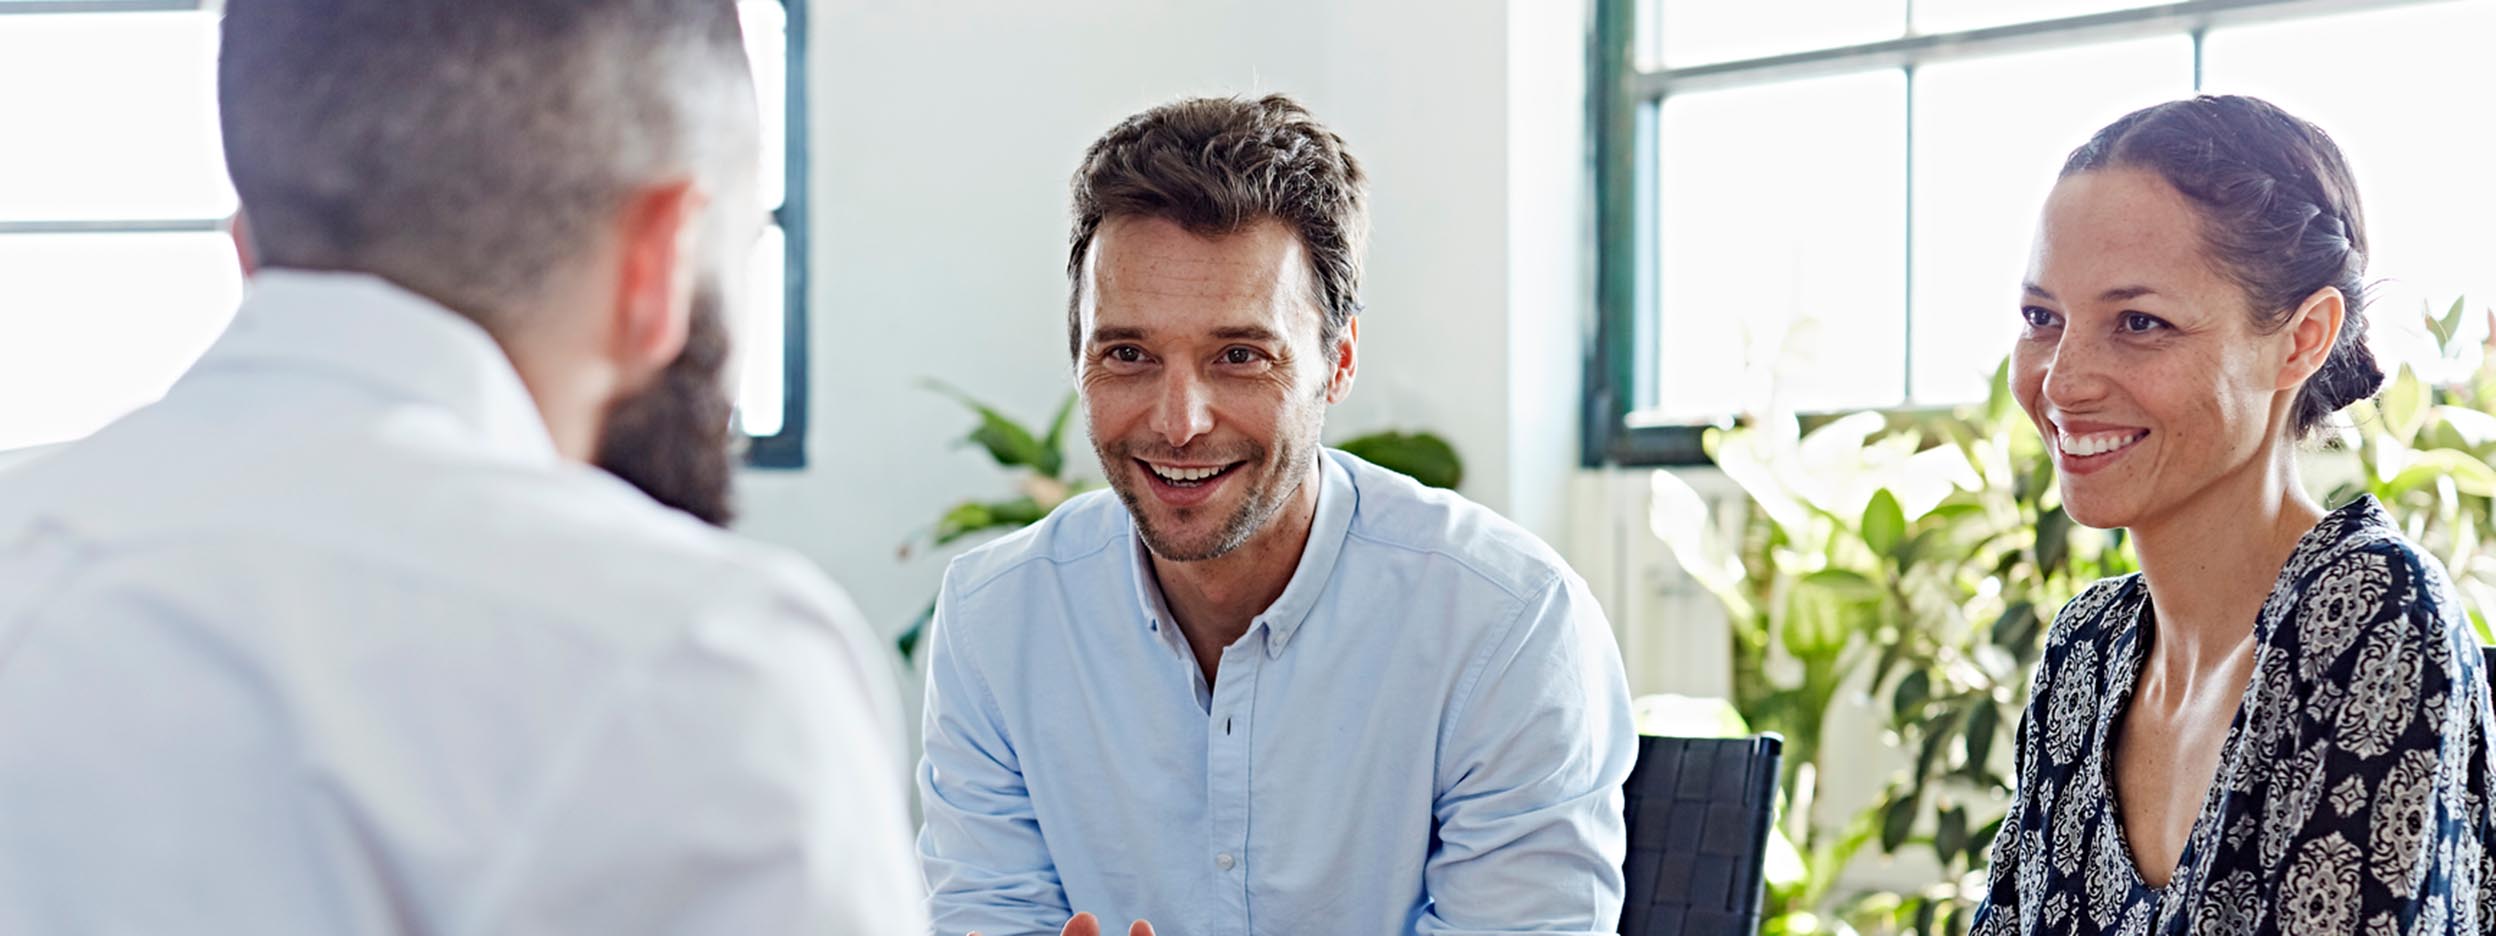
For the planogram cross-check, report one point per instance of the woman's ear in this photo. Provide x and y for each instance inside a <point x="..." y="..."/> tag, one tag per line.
<point x="2313" y="330"/>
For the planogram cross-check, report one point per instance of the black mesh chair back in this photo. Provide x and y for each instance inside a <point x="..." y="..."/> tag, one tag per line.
<point x="1699" y="811"/>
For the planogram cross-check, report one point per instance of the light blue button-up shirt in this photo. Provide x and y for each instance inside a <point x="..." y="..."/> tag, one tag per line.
<point x="1427" y="734"/>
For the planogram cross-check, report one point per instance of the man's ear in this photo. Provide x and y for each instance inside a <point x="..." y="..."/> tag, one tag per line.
<point x="239" y="230"/>
<point x="658" y="229"/>
<point x="2313" y="330"/>
<point x="1343" y="361"/>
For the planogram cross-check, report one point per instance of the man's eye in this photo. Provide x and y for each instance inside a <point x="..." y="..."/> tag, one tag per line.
<point x="1240" y="356"/>
<point x="1126" y="354"/>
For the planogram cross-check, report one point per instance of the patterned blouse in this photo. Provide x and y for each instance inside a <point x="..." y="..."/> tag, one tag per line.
<point x="2352" y="796"/>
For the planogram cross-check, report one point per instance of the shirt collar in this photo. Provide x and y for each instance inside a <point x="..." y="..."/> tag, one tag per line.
<point x="1337" y="500"/>
<point x="369" y="330"/>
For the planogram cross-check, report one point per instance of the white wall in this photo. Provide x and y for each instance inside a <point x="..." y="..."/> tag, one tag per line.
<point x="944" y="136"/>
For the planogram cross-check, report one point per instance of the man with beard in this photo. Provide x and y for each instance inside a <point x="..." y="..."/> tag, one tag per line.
<point x="1265" y="688"/>
<point x="347" y="635"/>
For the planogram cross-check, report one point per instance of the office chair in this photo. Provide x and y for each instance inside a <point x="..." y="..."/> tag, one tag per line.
<point x="1699" y="810"/>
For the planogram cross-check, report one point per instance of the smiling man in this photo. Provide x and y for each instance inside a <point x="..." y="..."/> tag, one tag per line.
<point x="1266" y="688"/>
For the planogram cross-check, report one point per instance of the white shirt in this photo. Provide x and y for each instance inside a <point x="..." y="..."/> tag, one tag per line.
<point x="331" y="641"/>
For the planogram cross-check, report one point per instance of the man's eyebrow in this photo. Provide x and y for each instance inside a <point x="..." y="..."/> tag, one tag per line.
<point x="1247" y="333"/>
<point x="1108" y="333"/>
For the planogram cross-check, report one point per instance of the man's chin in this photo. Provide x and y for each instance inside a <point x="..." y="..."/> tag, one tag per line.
<point x="1178" y="534"/>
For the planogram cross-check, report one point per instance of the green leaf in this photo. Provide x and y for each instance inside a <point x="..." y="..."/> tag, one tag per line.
<point x="971" y="517"/>
<point x="910" y="637"/>
<point x="2464" y="428"/>
<point x="2404" y="405"/>
<point x="1006" y="440"/>
<point x="2469" y="475"/>
<point x="2053" y="541"/>
<point x="2449" y="327"/>
<point x="1937" y="733"/>
<point x="1421" y="456"/>
<point x="1056" y="440"/>
<point x="1845" y="584"/>
<point x="2000" y="406"/>
<point x="1980" y="844"/>
<point x="1924" y="910"/>
<point x="1909" y="697"/>
<point x="1984" y="720"/>
<point x="1912" y="548"/>
<point x="1950" y="834"/>
<point x="1815" y="623"/>
<point x="2013" y="626"/>
<point x="1883" y="522"/>
<point x="1898" y="819"/>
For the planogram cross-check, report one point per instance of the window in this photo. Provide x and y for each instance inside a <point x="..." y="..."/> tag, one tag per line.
<point x="122" y="171"/>
<point x="1826" y="205"/>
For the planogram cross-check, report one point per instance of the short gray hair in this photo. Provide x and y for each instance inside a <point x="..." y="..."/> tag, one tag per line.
<point x="465" y="148"/>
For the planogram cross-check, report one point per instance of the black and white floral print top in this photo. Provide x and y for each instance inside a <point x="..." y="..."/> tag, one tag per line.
<point x="2352" y="796"/>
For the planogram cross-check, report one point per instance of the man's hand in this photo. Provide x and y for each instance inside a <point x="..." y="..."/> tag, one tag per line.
<point x="1085" y="924"/>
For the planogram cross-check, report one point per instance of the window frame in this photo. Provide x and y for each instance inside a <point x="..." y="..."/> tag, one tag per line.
<point x="1624" y="105"/>
<point x="785" y="449"/>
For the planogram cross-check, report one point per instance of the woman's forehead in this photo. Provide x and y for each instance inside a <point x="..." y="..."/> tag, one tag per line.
<point x="2119" y="234"/>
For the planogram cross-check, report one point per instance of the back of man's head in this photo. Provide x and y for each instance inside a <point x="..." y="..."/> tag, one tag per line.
<point x="470" y="149"/>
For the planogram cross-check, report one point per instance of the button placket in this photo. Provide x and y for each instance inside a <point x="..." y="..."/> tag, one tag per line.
<point x="1229" y="768"/>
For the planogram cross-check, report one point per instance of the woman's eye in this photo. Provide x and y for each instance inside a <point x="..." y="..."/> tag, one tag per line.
<point x="2036" y="317"/>
<point x="2140" y="322"/>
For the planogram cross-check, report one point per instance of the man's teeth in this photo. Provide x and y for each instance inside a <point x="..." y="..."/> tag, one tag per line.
<point x="2098" y="444"/>
<point x="1187" y="474"/>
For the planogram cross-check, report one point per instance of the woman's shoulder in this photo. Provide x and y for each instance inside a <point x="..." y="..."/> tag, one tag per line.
<point x="2088" y="626"/>
<point x="2357" y="566"/>
<point x="2098" y="605"/>
<point x="2370" y="589"/>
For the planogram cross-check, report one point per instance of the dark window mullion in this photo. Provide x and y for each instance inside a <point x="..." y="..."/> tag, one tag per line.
<point x="787" y="448"/>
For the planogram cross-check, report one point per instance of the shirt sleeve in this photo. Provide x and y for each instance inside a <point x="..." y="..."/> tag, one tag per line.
<point x="742" y="782"/>
<point x="2367" y="818"/>
<point x="987" y="866"/>
<point x="1531" y="836"/>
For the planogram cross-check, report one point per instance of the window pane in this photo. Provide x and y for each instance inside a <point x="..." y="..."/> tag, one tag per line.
<point x="1783" y="239"/>
<point x="98" y="325"/>
<point x="1938" y="16"/>
<point x="2404" y="94"/>
<point x="766" y="44"/>
<point x="762" y="338"/>
<point x="1990" y="135"/>
<point x="1696" y="32"/>
<point x="110" y="116"/>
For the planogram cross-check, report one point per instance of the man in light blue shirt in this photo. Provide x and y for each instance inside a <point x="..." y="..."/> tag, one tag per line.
<point x="1265" y="689"/>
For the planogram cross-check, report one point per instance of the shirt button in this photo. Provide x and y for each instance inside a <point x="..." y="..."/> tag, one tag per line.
<point x="1224" y="861"/>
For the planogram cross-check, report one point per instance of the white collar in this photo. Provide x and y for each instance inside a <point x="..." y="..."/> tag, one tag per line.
<point x="367" y="329"/>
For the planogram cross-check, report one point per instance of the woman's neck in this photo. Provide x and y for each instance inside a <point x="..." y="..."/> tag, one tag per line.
<point x="2212" y="564"/>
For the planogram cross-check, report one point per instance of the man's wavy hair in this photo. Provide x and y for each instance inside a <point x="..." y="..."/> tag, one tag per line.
<point x="1218" y="165"/>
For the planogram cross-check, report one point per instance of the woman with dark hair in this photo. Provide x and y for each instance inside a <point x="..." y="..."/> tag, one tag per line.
<point x="2279" y="725"/>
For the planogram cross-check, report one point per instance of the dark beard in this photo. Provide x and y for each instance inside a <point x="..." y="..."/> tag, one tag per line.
<point x="672" y="439"/>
